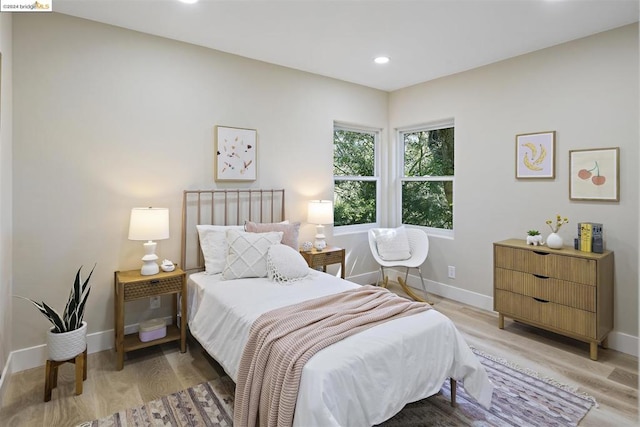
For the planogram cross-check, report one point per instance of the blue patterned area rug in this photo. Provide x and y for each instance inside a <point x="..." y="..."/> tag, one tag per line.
<point x="521" y="398"/>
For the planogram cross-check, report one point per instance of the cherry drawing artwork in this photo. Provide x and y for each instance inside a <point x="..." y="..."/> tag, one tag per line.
<point x="597" y="179"/>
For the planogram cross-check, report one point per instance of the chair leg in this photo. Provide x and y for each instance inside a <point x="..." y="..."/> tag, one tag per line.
<point x="424" y="288"/>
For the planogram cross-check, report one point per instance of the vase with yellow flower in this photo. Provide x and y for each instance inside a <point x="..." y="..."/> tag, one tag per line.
<point x="554" y="240"/>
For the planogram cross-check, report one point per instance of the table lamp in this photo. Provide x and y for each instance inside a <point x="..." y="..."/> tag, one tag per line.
<point x="149" y="224"/>
<point x="320" y="213"/>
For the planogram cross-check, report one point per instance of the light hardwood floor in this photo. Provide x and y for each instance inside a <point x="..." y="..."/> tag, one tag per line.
<point x="154" y="372"/>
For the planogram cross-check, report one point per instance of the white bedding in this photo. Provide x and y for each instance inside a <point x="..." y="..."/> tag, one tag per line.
<point x="360" y="381"/>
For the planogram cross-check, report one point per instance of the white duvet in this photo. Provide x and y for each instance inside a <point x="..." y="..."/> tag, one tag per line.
<point x="360" y="381"/>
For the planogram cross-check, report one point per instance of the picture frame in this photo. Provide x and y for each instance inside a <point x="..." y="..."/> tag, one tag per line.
<point x="594" y="174"/>
<point x="235" y="157"/>
<point x="536" y="155"/>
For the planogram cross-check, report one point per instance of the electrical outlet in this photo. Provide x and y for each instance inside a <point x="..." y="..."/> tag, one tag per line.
<point x="452" y="272"/>
<point x="154" y="302"/>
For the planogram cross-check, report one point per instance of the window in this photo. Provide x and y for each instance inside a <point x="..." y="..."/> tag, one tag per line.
<point x="427" y="172"/>
<point x="355" y="176"/>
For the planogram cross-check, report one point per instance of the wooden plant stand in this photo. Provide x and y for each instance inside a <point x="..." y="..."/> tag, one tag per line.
<point x="51" y="375"/>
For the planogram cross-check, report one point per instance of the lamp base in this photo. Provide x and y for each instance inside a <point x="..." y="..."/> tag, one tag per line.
<point x="149" y="268"/>
<point x="320" y="243"/>
<point x="149" y="264"/>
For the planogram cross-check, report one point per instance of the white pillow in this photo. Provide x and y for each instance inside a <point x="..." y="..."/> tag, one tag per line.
<point x="247" y="255"/>
<point x="285" y="264"/>
<point x="213" y="242"/>
<point x="392" y="243"/>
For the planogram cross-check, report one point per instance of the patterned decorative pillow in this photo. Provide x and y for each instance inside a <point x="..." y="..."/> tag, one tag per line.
<point x="247" y="255"/>
<point x="290" y="230"/>
<point x="392" y="243"/>
<point x="213" y="243"/>
<point x="285" y="265"/>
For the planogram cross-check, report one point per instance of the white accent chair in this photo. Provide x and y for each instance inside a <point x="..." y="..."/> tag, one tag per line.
<point x="419" y="248"/>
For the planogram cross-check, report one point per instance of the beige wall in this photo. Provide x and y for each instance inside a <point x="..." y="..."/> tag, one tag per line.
<point x="587" y="91"/>
<point x="107" y="119"/>
<point x="5" y="191"/>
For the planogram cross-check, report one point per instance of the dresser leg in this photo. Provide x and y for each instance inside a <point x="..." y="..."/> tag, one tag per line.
<point x="593" y="347"/>
<point x="500" y="320"/>
<point x="605" y="342"/>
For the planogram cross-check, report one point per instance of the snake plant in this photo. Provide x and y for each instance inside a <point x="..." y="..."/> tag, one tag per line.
<point x="73" y="314"/>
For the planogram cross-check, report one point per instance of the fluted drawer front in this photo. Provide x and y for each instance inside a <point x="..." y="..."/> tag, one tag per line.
<point x="549" y="314"/>
<point x="573" y="269"/>
<point x="558" y="291"/>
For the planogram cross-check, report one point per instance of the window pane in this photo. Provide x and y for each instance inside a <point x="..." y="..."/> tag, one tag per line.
<point x="428" y="153"/>
<point x="353" y="153"/>
<point x="428" y="203"/>
<point x="354" y="202"/>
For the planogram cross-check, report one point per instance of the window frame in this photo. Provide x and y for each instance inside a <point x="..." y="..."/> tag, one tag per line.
<point x="440" y="124"/>
<point x="376" y="132"/>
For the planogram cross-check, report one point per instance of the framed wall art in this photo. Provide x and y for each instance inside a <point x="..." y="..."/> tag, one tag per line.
<point x="594" y="174"/>
<point x="535" y="155"/>
<point x="235" y="154"/>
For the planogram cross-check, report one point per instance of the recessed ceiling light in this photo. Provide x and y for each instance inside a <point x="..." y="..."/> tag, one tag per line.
<point x="381" y="60"/>
<point x="188" y="1"/>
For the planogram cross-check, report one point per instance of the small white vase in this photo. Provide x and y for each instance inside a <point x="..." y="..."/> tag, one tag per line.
<point x="554" y="241"/>
<point x="67" y="345"/>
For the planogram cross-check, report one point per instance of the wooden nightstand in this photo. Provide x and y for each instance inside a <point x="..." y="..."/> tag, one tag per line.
<point x="329" y="255"/>
<point x="131" y="285"/>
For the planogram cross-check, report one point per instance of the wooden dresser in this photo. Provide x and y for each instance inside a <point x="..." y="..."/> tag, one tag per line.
<point x="561" y="290"/>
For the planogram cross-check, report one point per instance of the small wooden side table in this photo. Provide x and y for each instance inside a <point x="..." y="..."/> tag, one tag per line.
<point x="329" y="255"/>
<point x="51" y="374"/>
<point x="131" y="285"/>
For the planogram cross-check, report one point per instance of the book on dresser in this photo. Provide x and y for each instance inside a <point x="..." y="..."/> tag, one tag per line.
<point x="590" y="237"/>
<point x="566" y="291"/>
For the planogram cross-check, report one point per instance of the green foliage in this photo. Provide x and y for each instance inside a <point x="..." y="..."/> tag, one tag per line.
<point x="354" y="159"/>
<point x="533" y="232"/>
<point x="73" y="314"/>
<point x="428" y="154"/>
<point x="424" y="202"/>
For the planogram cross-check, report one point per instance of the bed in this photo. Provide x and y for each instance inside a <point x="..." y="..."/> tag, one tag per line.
<point x="361" y="380"/>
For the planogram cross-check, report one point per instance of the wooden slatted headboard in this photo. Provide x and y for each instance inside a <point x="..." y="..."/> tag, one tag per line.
<point x="223" y="207"/>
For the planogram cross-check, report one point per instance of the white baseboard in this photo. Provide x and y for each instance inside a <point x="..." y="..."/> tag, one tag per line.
<point x="32" y="357"/>
<point x="618" y="341"/>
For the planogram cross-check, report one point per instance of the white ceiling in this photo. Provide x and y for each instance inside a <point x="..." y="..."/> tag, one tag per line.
<point x="425" y="39"/>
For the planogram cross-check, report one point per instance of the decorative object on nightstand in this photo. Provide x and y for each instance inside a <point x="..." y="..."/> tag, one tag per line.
<point x="320" y="213"/>
<point x="149" y="224"/>
<point x="554" y="240"/>
<point x="307" y="246"/>
<point x="132" y="285"/>
<point x="327" y="256"/>
<point x="167" y="266"/>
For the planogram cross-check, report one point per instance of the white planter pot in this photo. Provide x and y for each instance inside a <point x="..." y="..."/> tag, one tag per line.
<point x="67" y="345"/>
<point x="554" y="241"/>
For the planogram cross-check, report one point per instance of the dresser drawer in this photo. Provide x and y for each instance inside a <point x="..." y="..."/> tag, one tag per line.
<point x="570" y="268"/>
<point x="152" y="287"/>
<point x="558" y="291"/>
<point x="549" y="314"/>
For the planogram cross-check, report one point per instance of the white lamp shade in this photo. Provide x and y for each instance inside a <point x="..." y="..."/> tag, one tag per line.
<point x="320" y="212"/>
<point x="149" y="224"/>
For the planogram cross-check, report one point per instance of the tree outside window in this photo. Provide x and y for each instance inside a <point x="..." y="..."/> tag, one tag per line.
<point x="427" y="165"/>
<point x="355" y="180"/>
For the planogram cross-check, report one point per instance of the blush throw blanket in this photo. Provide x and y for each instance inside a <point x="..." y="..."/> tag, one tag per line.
<point x="281" y="341"/>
